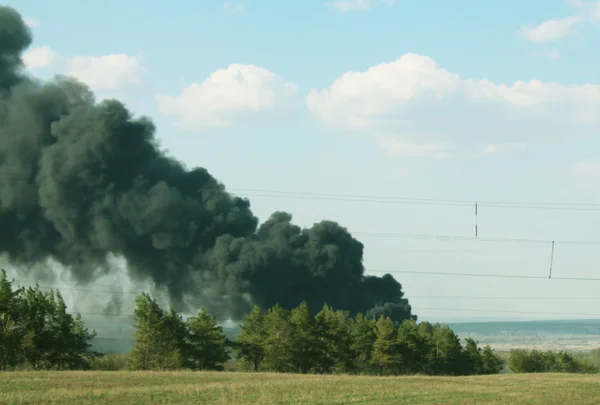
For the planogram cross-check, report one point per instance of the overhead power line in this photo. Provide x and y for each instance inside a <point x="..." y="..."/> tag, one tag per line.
<point x="444" y="238"/>
<point x="441" y="273"/>
<point x="510" y="312"/>
<point x="368" y="270"/>
<point x="417" y="201"/>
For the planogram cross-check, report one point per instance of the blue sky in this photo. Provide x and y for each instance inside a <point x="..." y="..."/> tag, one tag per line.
<point x="452" y="100"/>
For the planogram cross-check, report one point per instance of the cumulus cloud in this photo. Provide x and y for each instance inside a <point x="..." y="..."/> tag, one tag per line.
<point x="227" y="96"/>
<point x="551" y="30"/>
<point x="356" y="5"/>
<point x="424" y="104"/>
<point x="39" y="58"/>
<point x="107" y="72"/>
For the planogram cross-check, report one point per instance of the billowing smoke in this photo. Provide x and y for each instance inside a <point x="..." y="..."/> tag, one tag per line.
<point x="81" y="181"/>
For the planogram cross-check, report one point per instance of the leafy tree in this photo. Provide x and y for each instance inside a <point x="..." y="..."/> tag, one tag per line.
<point x="523" y="361"/>
<point x="207" y="345"/>
<point x="492" y="363"/>
<point x="52" y="338"/>
<point x="36" y="329"/>
<point x="157" y="338"/>
<point x="11" y="333"/>
<point x="335" y="341"/>
<point x="363" y="337"/>
<point x="448" y="358"/>
<point x="386" y="357"/>
<point x="412" y="346"/>
<point x="9" y="298"/>
<point x="535" y="361"/>
<point x="33" y="315"/>
<point x="251" y="342"/>
<point x="279" y="340"/>
<point x="68" y="341"/>
<point x="473" y="357"/>
<point x="306" y="343"/>
<point x="10" y="339"/>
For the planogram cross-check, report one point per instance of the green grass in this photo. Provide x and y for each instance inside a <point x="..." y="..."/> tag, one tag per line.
<point x="80" y="388"/>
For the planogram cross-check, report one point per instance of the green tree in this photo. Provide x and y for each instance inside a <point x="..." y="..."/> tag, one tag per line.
<point x="68" y="340"/>
<point x="335" y="341"/>
<point x="35" y="311"/>
<point x="492" y="363"/>
<point x="158" y="340"/>
<point x="473" y="357"/>
<point x="535" y="361"/>
<point x="524" y="361"/>
<point x="11" y="333"/>
<point x="363" y="337"/>
<point x="306" y="344"/>
<point x="207" y="345"/>
<point x="448" y="358"/>
<point x="279" y="341"/>
<point x="412" y="346"/>
<point x="386" y="356"/>
<point x="36" y="329"/>
<point x="251" y="341"/>
<point x="10" y="341"/>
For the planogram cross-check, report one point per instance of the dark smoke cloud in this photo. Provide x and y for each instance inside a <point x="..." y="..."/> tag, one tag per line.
<point x="80" y="180"/>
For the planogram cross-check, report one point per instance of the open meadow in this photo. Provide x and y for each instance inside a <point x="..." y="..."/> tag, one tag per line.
<point x="80" y="388"/>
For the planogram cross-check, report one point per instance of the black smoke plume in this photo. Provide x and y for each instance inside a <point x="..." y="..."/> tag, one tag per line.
<point x="81" y="180"/>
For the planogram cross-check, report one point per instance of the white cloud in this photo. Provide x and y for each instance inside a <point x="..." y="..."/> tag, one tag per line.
<point x="554" y="29"/>
<point x="39" y="58"/>
<point x="551" y="30"/>
<point x="234" y="8"/>
<point x="31" y="22"/>
<point x="496" y="148"/>
<point x="357" y="5"/>
<point x="596" y="13"/>
<point x="226" y="96"/>
<point x="422" y="103"/>
<point x="107" y="72"/>
<point x="398" y="148"/>
<point x="350" y="5"/>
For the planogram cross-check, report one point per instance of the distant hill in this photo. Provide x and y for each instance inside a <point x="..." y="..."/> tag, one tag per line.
<point x="118" y="337"/>
<point x="567" y="327"/>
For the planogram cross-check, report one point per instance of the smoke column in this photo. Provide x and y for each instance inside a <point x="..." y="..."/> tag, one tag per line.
<point x="81" y="181"/>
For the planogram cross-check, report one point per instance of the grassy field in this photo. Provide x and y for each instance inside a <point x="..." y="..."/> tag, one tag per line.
<point x="80" y="388"/>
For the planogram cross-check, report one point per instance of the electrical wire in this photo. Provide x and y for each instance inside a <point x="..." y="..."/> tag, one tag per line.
<point x="441" y="273"/>
<point x="445" y="238"/>
<point x="417" y="201"/>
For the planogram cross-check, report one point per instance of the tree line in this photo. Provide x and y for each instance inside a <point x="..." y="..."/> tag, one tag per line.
<point x="37" y="332"/>
<point x="537" y="361"/>
<point x="298" y="341"/>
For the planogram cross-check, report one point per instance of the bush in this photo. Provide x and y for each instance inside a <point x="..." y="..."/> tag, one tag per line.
<point x="111" y="362"/>
<point x="535" y="361"/>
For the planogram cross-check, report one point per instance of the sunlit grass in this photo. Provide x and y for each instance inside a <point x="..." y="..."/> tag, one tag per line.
<point x="79" y="388"/>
